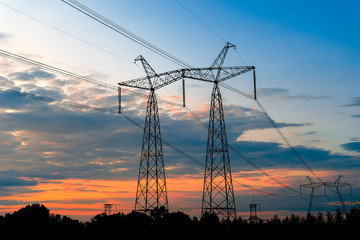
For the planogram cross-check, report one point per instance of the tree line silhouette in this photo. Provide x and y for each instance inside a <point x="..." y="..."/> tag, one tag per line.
<point x="36" y="220"/>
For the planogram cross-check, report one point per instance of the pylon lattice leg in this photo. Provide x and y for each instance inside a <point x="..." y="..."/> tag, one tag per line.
<point x="218" y="194"/>
<point x="151" y="189"/>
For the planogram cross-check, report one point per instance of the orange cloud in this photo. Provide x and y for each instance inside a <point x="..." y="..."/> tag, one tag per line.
<point x="83" y="198"/>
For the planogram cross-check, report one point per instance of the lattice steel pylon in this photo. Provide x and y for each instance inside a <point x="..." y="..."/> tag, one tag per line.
<point x="312" y="185"/>
<point x="331" y="185"/>
<point x="218" y="194"/>
<point x="254" y="208"/>
<point x="151" y="190"/>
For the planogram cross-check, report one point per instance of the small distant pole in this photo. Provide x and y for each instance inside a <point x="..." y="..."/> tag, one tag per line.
<point x="107" y="208"/>
<point x="254" y="208"/>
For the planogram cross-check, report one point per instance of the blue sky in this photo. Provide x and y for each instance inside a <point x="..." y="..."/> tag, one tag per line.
<point x="307" y="59"/>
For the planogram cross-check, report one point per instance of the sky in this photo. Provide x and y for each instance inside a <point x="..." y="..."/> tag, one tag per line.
<point x="307" y="60"/>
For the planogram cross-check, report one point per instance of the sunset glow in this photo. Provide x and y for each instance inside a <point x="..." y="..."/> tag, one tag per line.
<point x="64" y="144"/>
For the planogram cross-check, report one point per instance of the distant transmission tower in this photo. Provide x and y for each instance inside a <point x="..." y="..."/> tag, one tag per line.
<point x="335" y="186"/>
<point x="312" y="185"/>
<point x="254" y="208"/>
<point x="108" y="209"/>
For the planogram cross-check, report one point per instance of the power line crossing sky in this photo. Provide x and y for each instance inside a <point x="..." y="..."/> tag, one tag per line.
<point x="306" y="56"/>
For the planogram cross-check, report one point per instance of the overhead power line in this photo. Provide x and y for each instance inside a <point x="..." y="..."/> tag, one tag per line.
<point x="111" y="87"/>
<point x="55" y="69"/>
<point x="66" y="33"/>
<point x="57" y="101"/>
<point x="74" y="76"/>
<point x="251" y="97"/>
<point x="202" y="22"/>
<point x="133" y="37"/>
<point x="198" y="119"/>
<point x="298" y="156"/>
<point x="126" y="33"/>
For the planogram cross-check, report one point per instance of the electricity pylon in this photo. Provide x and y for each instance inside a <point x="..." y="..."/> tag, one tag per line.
<point x="337" y="185"/>
<point x="151" y="190"/>
<point x="312" y="185"/>
<point x="254" y="208"/>
<point x="218" y="194"/>
<point x="332" y="185"/>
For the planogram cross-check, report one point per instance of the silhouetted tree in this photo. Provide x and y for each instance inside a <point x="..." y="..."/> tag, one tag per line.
<point x="178" y="218"/>
<point x="339" y="218"/>
<point x="195" y="220"/>
<point x="320" y="218"/>
<point x="158" y="214"/>
<point x="353" y="216"/>
<point x="293" y="219"/>
<point x="274" y="220"/>
<point x="238" y="221"/>
<point x="209" y="218"/>
<point x="34" y="214"/>
<point x="329" y="218"/>
<point x="310" y="219"/>
<point x="36" y="220"/>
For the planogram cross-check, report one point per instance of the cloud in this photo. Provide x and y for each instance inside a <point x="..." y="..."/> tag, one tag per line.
<point x="12" y="178"/>
<point x="273" y="155"/>
<point x="273" y="91"/>
<point x="23" y="76"/>
<point x="63" y="143"/>
<point x="13" y="182"/>
<point x="43" y="143"/>
<point x="354" y="102"/>
<point x="352" y="146"/>
<point x="31" y="74"/>
<point x="42" y="74"/>
<point x="285" y="95"/>
<point x="4" y="36"/>
<point x="356" y="116"/>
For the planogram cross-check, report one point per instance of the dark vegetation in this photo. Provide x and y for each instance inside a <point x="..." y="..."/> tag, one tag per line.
<point x="36" y="220"/>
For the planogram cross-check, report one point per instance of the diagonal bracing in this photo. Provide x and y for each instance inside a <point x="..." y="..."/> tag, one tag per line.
<point x="151" y="190"/>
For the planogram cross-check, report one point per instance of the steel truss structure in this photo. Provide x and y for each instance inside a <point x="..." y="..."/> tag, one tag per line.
<point x="151" y="190"/>
<point x="335" y="186"/>
<point x="218" y="194"/>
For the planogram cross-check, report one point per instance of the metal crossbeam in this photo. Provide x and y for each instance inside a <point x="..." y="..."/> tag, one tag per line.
<point x="210" y="74"/>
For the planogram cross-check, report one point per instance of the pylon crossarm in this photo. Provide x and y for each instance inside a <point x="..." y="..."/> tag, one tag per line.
<point x="158" y="80"/>
<point x="210" y="74"/>
<point x="202" y="74"/>
<point x="141" y="83"/>
<point x="313" y="185"/>
<point x="336" y="185"/>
